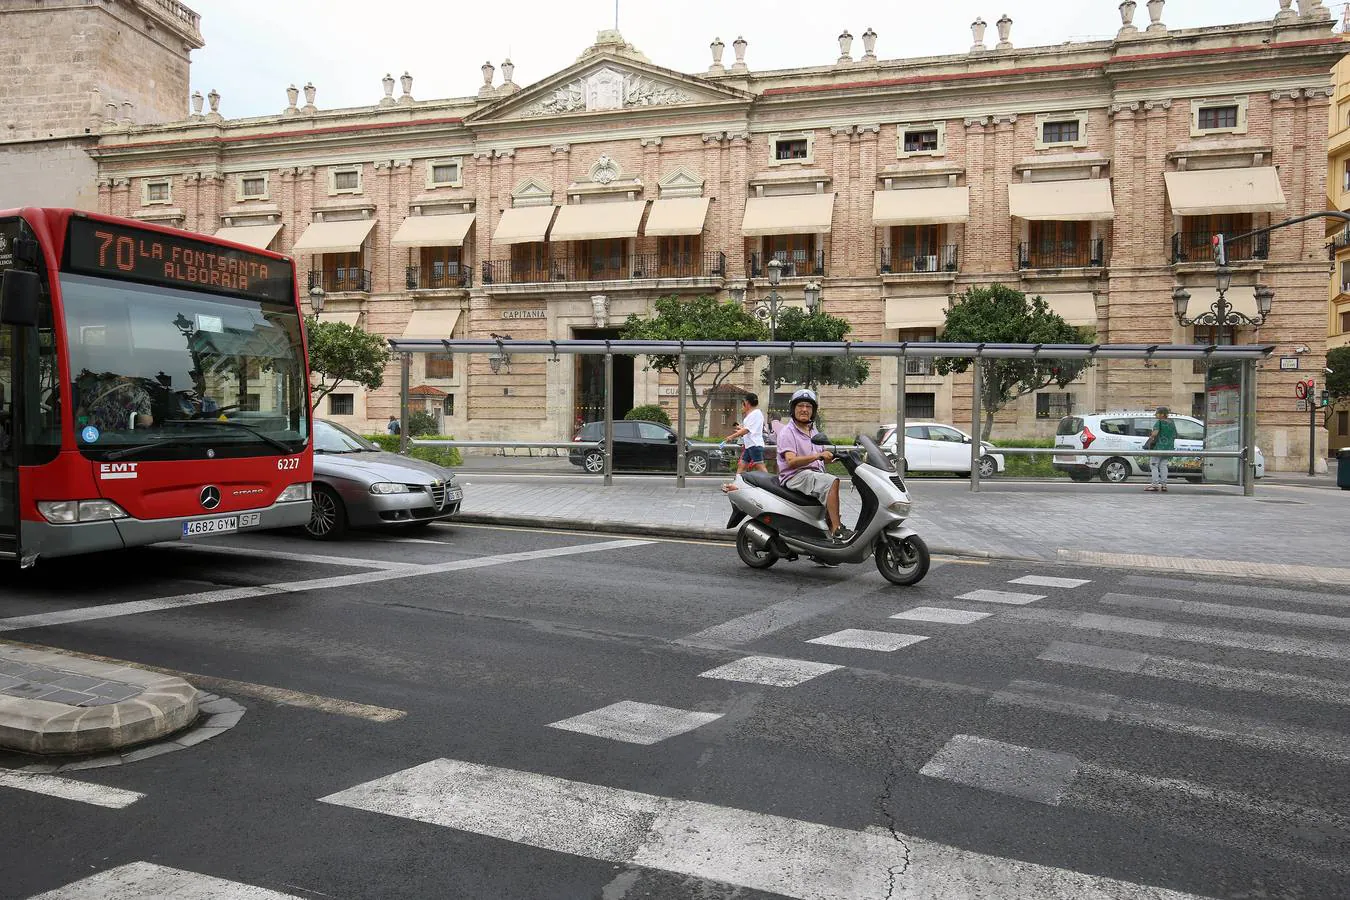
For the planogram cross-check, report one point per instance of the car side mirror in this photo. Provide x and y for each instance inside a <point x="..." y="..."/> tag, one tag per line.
<point x="820" y="440"/>
<point x="19" y="295"/>
<point x="670" y="438"/>
<point x="965" y="439"/>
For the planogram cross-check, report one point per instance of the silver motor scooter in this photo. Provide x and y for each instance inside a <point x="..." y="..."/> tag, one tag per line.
<point x="780" y="523"/>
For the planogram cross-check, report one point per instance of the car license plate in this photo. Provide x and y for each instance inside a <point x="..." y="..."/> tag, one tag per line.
<point x="223" y="525"/>
<point x="455" y="494"/>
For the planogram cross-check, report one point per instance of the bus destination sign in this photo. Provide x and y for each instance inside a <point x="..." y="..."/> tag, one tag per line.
<point x="133" y="254"/>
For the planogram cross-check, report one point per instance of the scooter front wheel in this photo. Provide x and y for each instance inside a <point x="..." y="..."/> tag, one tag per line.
<point x="902" y="561"/>
<point x="751" y="555"/>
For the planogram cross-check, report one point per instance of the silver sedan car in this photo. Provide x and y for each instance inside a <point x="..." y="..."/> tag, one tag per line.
<point x="358" y="485"/>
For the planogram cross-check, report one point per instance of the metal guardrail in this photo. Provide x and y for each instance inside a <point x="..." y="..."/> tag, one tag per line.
<point x="1070" y="451"/>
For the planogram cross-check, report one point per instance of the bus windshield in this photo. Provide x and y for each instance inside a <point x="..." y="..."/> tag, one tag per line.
<point x="163" y="373"/>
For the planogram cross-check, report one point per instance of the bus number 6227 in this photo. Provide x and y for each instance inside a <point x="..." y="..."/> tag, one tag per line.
<point x="285" y="464"/>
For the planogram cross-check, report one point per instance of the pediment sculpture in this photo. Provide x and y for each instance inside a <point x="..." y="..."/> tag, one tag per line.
<point x="607" y="88"/>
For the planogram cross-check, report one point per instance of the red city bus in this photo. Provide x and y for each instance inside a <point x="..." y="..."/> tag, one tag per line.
<point x="153" y="386"/>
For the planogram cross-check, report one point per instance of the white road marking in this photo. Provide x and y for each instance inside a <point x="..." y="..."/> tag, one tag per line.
<point x="771" y="670"/>
<point x="1006" y="597"/>
<point x="761" y="852"/>
<point x="1194" y="634"/>
<point x="857" y="639"/>
<point x="636" y="723"/>
<point x="1265" y="825"/>
<point x="134" y="607"/>
<point x="65" y="789"/>
<point x="1227" y="611"/>
<point x="1263" y="681"/>
<point x="350" y="562"/>
<point x="1248" y="591"/>
<point x="1049" y="581"/>
<point x="940" y="615"/>
<point x="1169" y="717"/>
<point x="147" y="881"/>
<point x="1263" y="570"/>
<point x="766" y="621"/>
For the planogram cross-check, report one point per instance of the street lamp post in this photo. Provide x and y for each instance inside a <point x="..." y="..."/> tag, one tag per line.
<point x="316" y="300"/>
<point x="813" y="291"/>
<point x="775" y="277"/>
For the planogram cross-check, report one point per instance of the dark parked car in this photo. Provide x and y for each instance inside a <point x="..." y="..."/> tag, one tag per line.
<point x="639" y="445"/>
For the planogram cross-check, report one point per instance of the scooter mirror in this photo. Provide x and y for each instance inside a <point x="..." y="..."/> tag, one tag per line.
<point x="820" y="440"/>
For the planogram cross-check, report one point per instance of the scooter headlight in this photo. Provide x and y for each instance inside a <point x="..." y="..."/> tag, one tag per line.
<point x="900" y="507"/>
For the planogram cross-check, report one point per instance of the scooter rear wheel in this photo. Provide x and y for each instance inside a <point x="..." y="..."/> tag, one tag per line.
<point x="902" y="561"/>
<point x="751" y="555"/>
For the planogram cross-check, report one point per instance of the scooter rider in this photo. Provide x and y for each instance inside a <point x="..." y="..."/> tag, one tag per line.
<point x="802" y="468"/>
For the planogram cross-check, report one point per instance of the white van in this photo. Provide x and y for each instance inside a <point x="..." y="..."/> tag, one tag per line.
<point x="1127" y="431"/>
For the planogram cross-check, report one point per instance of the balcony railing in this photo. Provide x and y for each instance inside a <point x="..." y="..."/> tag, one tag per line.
<point x="421" y="278"/>
<point x="338" y="280"/>
<point x="1339" y="242"/>
<point x="919" y="365"/>
<point x="796" y="263"/>
<point x="1198" y="246"/>
<point x="945" y="259"/>
<point x="609" y="268"/>
<point x="1061" y="254"/>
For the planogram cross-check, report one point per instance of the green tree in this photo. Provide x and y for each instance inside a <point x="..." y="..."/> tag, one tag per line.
<point x="1001" y="315"/>
<point x="341" y="353"/>
<point x="701" y="319"/>
<point x="1338" y="382"/>
<point x="836" y="371"/>
<point x="421" y="423"/>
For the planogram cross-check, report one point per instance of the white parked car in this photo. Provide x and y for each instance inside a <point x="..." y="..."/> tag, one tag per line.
<point x="1127" y="432"/>
<point x="934" y="447"/>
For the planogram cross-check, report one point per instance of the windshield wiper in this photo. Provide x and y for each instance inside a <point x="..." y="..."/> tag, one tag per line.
<point x="138" y="449"/>
<point x="280" y="445"/>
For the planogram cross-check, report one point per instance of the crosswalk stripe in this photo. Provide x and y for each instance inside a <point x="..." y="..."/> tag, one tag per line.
<point x="859" y="639"/>
<point x="1009" y="598"/>
<point x="1062" y="779"/>
<point x="941" y="615"/>
<point x="636" y="723"/>
<point x="1226" y="611"/>
<point x="1192" y="634"/>
<point x="1264" y="681"/>
<point x="147" y="881"/>
<point x="67" y="789"/>
<point x="1244" y="591"/>
<point x="770" y="670"/>
<point x="1050" y="581"/>
<point x="1102" y="707"/>
<point x="761" y="852"/>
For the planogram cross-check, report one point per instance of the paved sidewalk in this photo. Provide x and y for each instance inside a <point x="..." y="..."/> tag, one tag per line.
<point x="1288" y="532"/>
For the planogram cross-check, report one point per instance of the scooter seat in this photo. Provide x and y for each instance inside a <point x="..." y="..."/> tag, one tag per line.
<point x="770" y="483"/>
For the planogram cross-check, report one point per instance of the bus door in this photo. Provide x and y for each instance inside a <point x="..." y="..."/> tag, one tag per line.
<point x="9" y="472"/>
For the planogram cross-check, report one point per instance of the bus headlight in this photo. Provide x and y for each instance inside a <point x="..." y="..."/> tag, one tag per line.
<point x="295" y="492"/>
<point x="389" y="487"/>
<point x="68" y="512"/>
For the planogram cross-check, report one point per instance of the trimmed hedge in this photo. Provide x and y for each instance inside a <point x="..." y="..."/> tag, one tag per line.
<point x="649" y="413"/>
<point x="441" y="456"/>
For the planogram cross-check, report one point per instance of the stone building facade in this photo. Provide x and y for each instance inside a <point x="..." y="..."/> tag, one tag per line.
<point x="1338" y="233"/>
<point x="1091" y="174"/>
<point x="73" y="69"/>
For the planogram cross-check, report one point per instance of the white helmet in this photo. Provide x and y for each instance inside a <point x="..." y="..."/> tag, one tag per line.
<point x="804" y="395"/>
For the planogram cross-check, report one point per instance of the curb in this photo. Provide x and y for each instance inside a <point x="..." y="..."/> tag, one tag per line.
<point x="163" y="706"/>
<point x="690" y="532"/>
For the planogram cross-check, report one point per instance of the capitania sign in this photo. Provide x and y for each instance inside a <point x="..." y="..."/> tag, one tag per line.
<point x="523" y="313"/>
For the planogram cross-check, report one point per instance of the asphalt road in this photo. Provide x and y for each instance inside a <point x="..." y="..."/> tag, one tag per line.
<point x="1108" y="738"/>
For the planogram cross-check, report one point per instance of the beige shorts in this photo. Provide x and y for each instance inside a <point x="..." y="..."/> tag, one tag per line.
<point x="813" y="483"/>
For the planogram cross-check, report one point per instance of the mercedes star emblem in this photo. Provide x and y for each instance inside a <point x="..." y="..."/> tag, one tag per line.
<point x="210" y="497"/>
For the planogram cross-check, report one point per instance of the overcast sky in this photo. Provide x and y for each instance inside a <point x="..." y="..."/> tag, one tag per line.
<point x="255" y="48"/>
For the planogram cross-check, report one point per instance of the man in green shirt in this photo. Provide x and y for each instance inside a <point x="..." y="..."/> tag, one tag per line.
<point x="1163" y="437"/>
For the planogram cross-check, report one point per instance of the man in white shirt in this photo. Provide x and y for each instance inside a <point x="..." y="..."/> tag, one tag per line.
<point x="752" y="428"/>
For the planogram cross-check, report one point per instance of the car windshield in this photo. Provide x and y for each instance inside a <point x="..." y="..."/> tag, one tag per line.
<point x="180" y="374"/>
<point x="329" y="437"/>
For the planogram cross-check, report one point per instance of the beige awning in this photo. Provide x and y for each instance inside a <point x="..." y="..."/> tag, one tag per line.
<point x="921" y="206"/>
<point x="333" y="237"/>
<point x="433" y="231"/>
<point x="794" y="214"/>
<point x="523" y="225"/>
<point x="682" y="215"/>
<point x="1241" y="299"/>
<point x="1074" y="308"/>
<point x="352" y="318"/>
<point x="260" y="236"/>
<point x="432" y="323"/>
<point x="1222" y="191"/>
<point x="598" y="221"/>
<point x="1082" y="200"/>
<point x="916" y="312"/>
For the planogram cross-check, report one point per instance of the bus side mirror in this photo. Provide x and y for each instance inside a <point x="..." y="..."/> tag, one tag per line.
<point x="19" y="295"/>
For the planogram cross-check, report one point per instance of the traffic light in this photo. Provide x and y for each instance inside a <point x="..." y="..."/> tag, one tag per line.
<point x="1220" y="257"/>
<point x="1326" y="398"/>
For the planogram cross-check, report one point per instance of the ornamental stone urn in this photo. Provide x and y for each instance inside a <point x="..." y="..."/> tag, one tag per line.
<point x="977" y="30"/>
<point x="717" y="48"/>
<point x="869" y="39"/>
<point x="1127" y="19"/>
<point x="1155" y="10"/>
<point x="845" y="47"/>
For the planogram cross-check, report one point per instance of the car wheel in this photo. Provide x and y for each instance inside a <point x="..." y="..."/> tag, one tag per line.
<point x="696" y="464"/>
<point x="327" y="515"/>
<point x="1115" y="470"/>
<point x="988" y="467"/>
<point x="594" y="462"/>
